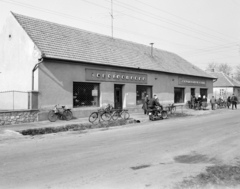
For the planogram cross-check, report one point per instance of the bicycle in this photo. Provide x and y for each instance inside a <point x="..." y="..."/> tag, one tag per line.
<point x="171" y="108"/>
<point x="221" y="104"/>
<point x="104" y="114"/>
<point x="123" y="113"/>
<point x="59" y="113"/>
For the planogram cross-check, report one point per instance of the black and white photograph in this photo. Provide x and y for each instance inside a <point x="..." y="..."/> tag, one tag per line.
<point x="120" y="94"/>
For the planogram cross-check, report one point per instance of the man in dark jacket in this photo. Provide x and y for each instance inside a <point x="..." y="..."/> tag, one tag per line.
<point x="234" y="101"/>
<point x="153" y="102"/>
<point x="213" y="102"/>
<point x="145" y="104"/>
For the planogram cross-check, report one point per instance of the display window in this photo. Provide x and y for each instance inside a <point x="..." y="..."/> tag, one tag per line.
<point x="85" y="94"/>
<point x="141" y="92"/>
<point x="179" y="95"/>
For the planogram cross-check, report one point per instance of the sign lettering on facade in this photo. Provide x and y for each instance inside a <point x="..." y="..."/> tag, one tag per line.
<point x="124" y="77"/>
<point x="191" y="81"/>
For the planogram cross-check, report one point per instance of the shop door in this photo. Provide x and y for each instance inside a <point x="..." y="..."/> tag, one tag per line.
<point x="118" y="96"/>
<point x="203" y="92"/>
<point x="192" y="91"/>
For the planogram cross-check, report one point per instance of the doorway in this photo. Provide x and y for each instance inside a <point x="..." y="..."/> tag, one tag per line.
<point x="192" y="91"/>
<point x="203" y="92"/>
<point x="118" y="96"/>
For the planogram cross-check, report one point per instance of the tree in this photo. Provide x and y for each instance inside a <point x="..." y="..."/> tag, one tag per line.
<point x="223" y="67"/>
<point x="237" y="73"/>
<point x="211" y="67"/>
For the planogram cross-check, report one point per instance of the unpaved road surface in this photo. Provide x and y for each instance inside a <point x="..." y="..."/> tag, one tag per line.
<point x="137" y="156"/>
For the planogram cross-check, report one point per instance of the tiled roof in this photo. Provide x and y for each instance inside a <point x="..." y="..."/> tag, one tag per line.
<point x="68" y="43"/>
<point x="224" y="80"/>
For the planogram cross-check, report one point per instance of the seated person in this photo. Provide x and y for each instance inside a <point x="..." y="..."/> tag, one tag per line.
<point x="153" y="102"/>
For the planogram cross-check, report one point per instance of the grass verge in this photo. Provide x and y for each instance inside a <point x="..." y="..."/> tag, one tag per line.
<point x="217" y="176"/>
<point x="75" y="127"/>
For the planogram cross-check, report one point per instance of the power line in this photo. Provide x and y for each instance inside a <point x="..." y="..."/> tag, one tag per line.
<point x="185" y="19"/>
<point x="91" y="22"/>
<point x="158" y="25"/>
<point x="167" y="21"/>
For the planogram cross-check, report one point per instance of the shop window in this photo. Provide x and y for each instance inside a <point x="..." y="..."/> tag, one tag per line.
<point x="179" y="95"/>
<point x="141" y="92"/>
<point x="85" y="94"/>
<point x="203" y="92"/>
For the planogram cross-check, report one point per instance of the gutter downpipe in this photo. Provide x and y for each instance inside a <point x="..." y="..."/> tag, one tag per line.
<point x="34" y="69"/>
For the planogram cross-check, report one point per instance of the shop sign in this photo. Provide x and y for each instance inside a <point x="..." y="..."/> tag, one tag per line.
<point x="191" y="81"/>
<point x="94" y="92"/>
<point x="124" y="77"/>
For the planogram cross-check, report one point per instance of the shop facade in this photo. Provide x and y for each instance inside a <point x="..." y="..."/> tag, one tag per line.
<point x="85" y="87"/>
<point x="85" y="71"/>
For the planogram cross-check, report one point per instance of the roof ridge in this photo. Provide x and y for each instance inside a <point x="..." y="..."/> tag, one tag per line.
<point x="94" y="33"/>
<point x="68" y="43"/>
<point x="27" y="33"/>
<point x="227" y="78"/>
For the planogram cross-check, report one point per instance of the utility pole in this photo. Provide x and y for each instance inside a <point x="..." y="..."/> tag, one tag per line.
<point x="112" y="16"/>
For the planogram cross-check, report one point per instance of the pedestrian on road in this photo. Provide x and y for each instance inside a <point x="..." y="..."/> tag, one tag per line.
<point x="213" y="102"/>
<point x="228" y="102"/>
<point x="145" y="104"/>
<point x="234" y="101"/>
<point x="204" y="102"/>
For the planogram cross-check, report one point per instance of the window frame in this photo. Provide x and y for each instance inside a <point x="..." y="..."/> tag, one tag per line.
<point x="182" y="98"/>
<point x="140" y="101"/>
<point x="98" y="94"/>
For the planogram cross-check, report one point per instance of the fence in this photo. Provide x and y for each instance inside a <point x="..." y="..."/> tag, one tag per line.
<point x="14" y="100"/>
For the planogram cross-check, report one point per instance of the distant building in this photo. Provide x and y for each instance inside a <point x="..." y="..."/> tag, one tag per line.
<point x="225" y="86"/>
<point x="85" y="70"/>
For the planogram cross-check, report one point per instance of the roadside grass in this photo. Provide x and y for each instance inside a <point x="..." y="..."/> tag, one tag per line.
<point x="76" y="127"/>
<point x="179" y="114"/>
<point x="217" y="176"/>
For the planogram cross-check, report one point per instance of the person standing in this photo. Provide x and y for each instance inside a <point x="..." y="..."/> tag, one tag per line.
<point x="234" y="101"/>
<point x="213" y="102"/>
<point x="204" y="102"/>
<point x="145" y="104"/>
<point x="228" y="102"/>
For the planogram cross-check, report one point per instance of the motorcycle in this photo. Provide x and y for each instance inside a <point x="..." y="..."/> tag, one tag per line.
<point x="157" y="113"/>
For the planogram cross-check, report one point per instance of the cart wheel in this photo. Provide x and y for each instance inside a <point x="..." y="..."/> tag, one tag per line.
<point x="164" y="115"/>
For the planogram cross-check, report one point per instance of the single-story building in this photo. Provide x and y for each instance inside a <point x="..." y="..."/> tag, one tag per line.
<point x="85" y="70"/>
<point x="225" y="86"/>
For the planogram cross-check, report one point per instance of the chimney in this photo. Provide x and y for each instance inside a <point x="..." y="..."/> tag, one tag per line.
<point x="151" y="48"/>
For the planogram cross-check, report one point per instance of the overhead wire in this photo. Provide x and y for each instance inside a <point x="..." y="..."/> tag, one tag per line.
<point x="167" y="20"/>
<point x="185" y="19"/>
<point x="179" y="32"/>
<point x="92" y="22"/>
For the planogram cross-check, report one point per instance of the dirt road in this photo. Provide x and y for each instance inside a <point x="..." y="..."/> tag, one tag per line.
<point x="150" y="155"/>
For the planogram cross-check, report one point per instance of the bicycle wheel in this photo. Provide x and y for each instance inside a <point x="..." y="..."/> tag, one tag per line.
<point x="124" y="115"/>
<point x="67" y="115"/>
<point x="106" y="116"/>
<point x="173" y="110"/>
<point x="52" y="116"/>
<point x="115" y="115"/>
<point x="93" y="117"/>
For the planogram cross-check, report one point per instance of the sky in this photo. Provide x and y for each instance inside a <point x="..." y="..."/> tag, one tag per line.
<point x="200" y="31"/>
